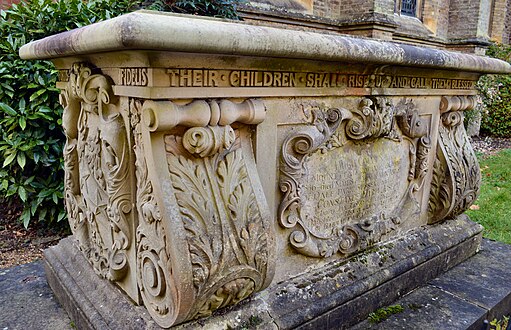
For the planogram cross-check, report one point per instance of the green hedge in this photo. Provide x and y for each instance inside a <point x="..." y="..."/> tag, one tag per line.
<point x="30" y="121"/>
<point x="32" y="138"/>
<point x="215" y="8"/>
<point x="496" y="96"/>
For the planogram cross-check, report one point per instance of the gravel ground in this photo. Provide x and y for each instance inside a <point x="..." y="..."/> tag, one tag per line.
<point x="19" y="245"/>
<point x="490" y="146"/>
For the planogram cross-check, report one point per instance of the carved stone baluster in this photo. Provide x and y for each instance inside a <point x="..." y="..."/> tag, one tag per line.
<point x="456" y="176"/>
<point x="205" y="240"/>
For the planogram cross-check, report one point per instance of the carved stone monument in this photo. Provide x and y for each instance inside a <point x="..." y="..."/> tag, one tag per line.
<point x="208" y="162"/>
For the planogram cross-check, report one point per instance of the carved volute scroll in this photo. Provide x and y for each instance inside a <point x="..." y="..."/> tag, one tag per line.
<point x="456" y="176"/>
<point x="333" y="130"/>
<point x="97" y="175"/>
<point x="209" y="242"/>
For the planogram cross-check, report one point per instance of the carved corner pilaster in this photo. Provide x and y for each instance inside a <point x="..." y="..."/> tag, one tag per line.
<point x="205" y="239"/>
<point x="98" y="179"/>
<point x="456" y="173"/>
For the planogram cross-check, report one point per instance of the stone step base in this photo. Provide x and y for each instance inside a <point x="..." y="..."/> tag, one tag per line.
<point x="469" y="296"/>
<point x="336" y="296"/>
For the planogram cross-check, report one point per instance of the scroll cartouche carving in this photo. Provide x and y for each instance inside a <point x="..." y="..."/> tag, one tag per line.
<point x="456" y="177"/>
<point x="215" y="209"/>
<point x="97" y="179"/>
<point x="334" y="128"/>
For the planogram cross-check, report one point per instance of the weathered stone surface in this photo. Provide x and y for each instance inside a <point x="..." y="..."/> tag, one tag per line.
<point x="432" y="308"/>
<point x="464" y="297"/>
<point x="142" y="30"/>
<point x="337" y="295"/>
<point x="342" y="294"/>
<point x="26" y="301"/>
<point x="208" y="160"/>
<point x="485" y="281"/>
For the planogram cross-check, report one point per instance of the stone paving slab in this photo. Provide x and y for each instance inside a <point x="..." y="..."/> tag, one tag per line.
<point x="478" y="289"/>
<point x="464" y="297"/>
<point x="485" y="280"/>
<point x="27" y="302"/>
<point x="431" y="308"/>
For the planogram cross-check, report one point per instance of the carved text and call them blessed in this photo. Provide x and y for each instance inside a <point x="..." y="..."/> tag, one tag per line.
<point x="259" y="78"/>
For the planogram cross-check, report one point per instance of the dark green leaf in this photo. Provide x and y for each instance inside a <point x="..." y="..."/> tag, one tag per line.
<point x="7" y="109"/>
<point x="9" y="159"/>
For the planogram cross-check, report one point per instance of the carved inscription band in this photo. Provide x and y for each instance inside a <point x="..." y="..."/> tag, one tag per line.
<point x="248" y="78"/>
<point x="254" y="78"/>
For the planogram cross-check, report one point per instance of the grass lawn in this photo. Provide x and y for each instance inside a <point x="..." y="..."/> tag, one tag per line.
<point x="493" y="208"/>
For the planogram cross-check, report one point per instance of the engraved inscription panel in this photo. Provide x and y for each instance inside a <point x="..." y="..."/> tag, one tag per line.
<point x="222" y="78"/>
<point x="349" y="177"/>
<point x="354" y="183"/>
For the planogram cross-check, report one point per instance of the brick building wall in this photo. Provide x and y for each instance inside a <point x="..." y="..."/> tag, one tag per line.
<point x="506" y="34"/>
<point x="498" y="19"/>
<point x="435" y="15"/>
<point x="354" y="8"/>
<point x="5" y="4"/>
<point x="463" y="18"/>
<point x="501" y="21"/>
<point x="464" y="25"/>
<point x="384" y="7"/>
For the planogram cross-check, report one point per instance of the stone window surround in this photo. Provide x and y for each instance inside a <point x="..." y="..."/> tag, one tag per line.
<point x="418" y="8"/>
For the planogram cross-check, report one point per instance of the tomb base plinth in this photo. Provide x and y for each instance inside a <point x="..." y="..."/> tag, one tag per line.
<point x="336" y="296"/>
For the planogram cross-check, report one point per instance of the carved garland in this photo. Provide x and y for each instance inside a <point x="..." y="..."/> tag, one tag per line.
<point x="97" y="187"/>
<point x="375" y="118"/>
<point x="456" y="175"/>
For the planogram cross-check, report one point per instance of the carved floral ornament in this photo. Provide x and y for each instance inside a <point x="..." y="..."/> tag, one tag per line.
<point x="330" y="129"/>
<point x="221" y="232"/>
<point x="97" y="178"/>
<point x="164" y="199"/>
<point x="456" y="174"/>
<point x="200" y="237"/>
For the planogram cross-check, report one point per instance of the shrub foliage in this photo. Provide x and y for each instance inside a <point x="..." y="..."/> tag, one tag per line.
<point x="30" y="121"/>
<point x="496" y="96"/>
<point x="32" y="138"/>
<point x="215" y="8"/>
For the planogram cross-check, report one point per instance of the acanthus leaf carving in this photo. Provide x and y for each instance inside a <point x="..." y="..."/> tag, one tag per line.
<point x="217" y="215"/>
<point x="456" y="177"/>
<point x="218" y="177"/>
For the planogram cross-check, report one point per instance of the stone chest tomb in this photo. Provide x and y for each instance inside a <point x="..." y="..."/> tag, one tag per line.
<point x="210" y="162"/>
